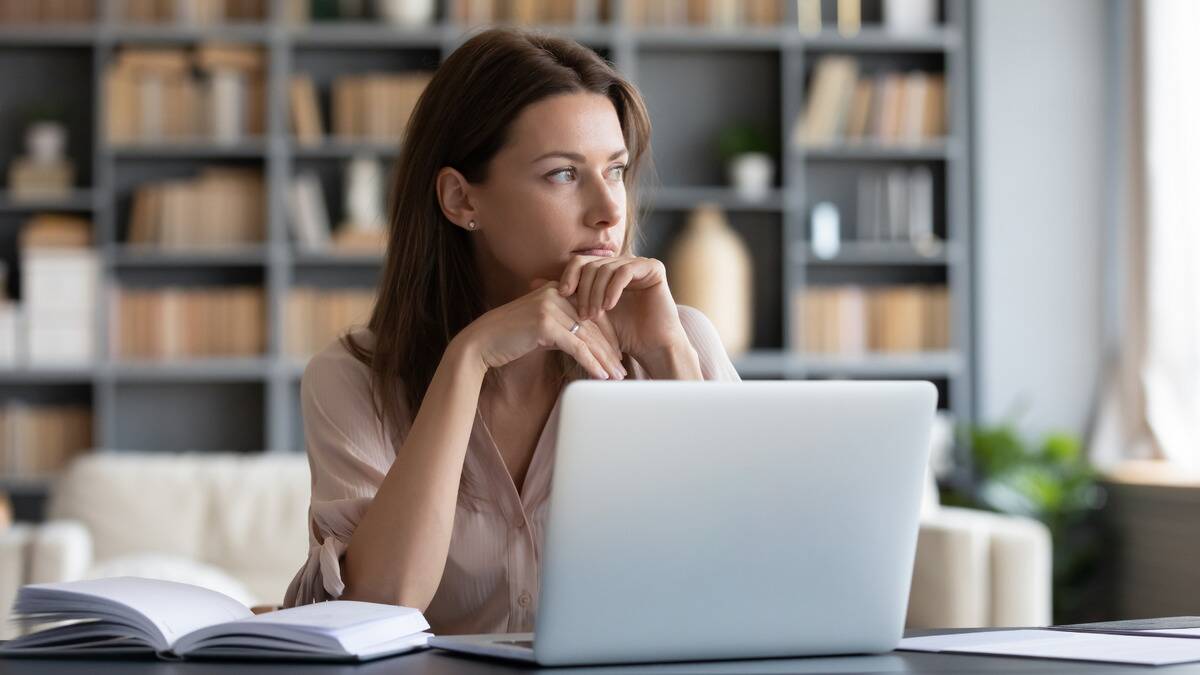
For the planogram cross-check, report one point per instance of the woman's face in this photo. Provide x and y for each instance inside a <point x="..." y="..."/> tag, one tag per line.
<point x="555" y="190"/>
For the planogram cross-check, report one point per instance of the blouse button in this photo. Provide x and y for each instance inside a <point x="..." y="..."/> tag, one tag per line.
<point x="524" y="599"/>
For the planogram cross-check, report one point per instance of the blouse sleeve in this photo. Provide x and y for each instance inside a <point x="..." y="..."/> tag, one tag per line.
<point x="714" y="361"/>
<point x="348" y="455"/>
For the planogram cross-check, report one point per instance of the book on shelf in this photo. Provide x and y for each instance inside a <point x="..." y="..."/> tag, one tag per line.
<point x="855" y="320"/>
<point x="307" y="212"/>
<point x="186" y="322"/>
<point x="221" y="207"/>
<point x="48" y="12"/>
<point x="845" y="105"/>
<point x="213" y="92"/>
<point x="316" y="317"/>
<point x="178" y="621"/>
<point x="187" y="12"/>
<point x="305" y="111"/>
<point x="896" y="205"/>
<point x="41" y="439"/>
<point x="375" y="107"/>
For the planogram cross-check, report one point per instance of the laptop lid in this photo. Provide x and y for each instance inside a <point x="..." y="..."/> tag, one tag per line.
<point x="711" y="520"/>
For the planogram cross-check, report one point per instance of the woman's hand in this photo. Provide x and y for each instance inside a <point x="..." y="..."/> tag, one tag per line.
<point x="630" y="295"/>
<point x="542" y="319"/>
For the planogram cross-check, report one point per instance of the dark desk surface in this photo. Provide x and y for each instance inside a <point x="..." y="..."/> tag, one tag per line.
<point x="436" y="662"/>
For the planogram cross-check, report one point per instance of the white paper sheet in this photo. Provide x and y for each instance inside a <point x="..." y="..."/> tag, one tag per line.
<point x="1049" y="644"/>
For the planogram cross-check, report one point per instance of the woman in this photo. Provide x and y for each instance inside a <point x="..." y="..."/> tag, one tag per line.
<point x="509" y="273"/>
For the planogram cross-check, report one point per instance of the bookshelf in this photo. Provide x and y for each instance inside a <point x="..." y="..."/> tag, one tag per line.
<point x="694" y="80"/>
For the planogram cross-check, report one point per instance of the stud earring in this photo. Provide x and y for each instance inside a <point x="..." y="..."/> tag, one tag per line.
<point x="471" y="225"/>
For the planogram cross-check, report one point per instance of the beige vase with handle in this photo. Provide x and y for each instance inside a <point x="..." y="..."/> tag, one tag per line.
<point x="709" y="268"/>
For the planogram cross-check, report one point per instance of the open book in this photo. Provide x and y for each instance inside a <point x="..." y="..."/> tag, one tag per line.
<point x="127" y="615"/>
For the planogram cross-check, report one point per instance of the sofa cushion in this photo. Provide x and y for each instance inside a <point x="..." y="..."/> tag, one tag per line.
<point x="135" y="502"/>
<point x="173" y="568"/>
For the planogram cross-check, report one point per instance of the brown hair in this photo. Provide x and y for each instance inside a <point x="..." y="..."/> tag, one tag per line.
<point x="429" y="289"/>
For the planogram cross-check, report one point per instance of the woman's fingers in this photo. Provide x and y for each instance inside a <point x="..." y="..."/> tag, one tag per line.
<point x="600" y="352"/>
<point x="604" y="278"/>
<point x="611" y="355"/>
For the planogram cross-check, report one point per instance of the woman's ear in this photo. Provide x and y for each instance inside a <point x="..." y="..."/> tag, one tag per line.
<point x="454" y="198"/>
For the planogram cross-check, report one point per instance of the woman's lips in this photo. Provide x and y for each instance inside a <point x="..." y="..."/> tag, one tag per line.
<point x="596" y="251"/>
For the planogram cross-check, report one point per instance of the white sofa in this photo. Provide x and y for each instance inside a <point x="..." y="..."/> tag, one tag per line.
<point x="236" y="523"/>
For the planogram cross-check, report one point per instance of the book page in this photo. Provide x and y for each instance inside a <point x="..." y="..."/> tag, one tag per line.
<point x="1053" y="644"/>
<point x="169" y="608"/>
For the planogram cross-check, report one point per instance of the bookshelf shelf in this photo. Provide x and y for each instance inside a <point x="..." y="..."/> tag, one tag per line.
<point x="877" y="40"/>
<point x="787" y="364"/>
<point x="44" y="35"/>
<point x="175" y="34"/>
<point x="203" y="150"/>
<point x="335" y="258"/>
<point x="686" y="198"/>
<point x="696" y="82"/>
<point x="876" y="151"/>
<point x="344" y="149"/>
<point x="879" y="253"/>
<point x="77" y="200"/>
<point x="248" y="369"/>
<point x="46" y="375"/>
<point x="138" y="256"/>
<point x="365" y="35"/>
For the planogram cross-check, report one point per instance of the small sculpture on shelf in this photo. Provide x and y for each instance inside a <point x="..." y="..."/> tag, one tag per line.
<point x="709" y="268"/>
<point x="746" y="152"/>
<point x="45" y="171"/>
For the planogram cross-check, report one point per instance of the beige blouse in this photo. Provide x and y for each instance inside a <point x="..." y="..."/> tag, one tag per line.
<point x="490" y="583"/>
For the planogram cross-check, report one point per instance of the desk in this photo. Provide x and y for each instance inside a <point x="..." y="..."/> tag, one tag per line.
<point x="436" y="662"/>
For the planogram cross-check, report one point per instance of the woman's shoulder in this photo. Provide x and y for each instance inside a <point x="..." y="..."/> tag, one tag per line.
<point x="334" y="366"/>
<point x="697" y="325"/>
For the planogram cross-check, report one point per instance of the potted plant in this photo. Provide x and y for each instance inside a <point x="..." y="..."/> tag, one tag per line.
<point x="1052" y="482"/>
<point x="746" y="153"/>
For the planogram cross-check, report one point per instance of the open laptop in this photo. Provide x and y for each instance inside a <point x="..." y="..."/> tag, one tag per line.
<point x="726" y="520"/>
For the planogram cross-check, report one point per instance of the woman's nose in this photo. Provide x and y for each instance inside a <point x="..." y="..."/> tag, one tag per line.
<point x="608" y="206"/>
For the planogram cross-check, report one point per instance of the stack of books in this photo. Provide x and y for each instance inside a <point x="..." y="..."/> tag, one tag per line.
<point x="175" y="323"/>
<point x="59" y="277"/>
<point x="853" y="320"/>
<point x="159" y="94"/>
<point x="375" y="107"/>
<point x="844" y="105"/>
<point x="317" y="316"/>
<point x="895" y="204"/>
<point x="39" y="440"/>
<point x="528" y="12"/>
<point x="58" y="11"/>
<point x="221" y="207"/>
<point x="194" y="11"/>
<point x="712" y="13"/>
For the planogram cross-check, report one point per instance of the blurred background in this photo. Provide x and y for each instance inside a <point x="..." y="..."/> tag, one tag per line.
<point x="988" y="195"/>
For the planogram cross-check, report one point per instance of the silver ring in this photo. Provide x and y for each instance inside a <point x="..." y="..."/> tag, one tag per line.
<point x="575" y="328"/>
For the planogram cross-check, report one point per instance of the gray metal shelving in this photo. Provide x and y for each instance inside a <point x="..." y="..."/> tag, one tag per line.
<point x="692" y="78"/>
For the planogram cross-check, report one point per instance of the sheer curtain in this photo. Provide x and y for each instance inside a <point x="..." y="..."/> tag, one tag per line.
<point x="1150" y="404"/>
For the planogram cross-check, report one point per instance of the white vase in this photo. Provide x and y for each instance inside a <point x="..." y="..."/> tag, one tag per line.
<point x="363" y="188"/>
<point x="909" y="16"/>
<point x="46" y="142"/>
<point x="709" y="267"/>
<point x="751" y="174"/>
<point x="407" y="12"/>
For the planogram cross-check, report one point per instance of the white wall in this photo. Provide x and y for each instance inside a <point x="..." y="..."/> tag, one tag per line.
<point x="1040" y="141"/>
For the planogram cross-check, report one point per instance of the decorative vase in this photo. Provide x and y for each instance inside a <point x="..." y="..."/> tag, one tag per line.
<point x="909" y="16"/>
<point x="709" y="268"/>
<point x="751" y="174"/>
<point x="407" y="12"/>
<point x="46" y="142"/>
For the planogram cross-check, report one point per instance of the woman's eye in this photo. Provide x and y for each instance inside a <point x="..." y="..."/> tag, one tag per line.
<point x="621" y="168"/>
<point x="563" y="172"/>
